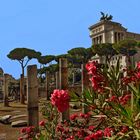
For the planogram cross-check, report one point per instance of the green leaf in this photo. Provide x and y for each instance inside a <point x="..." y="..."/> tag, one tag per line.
<point x="87" y="94"/>
<point x="137" y="133"/>
<point x="138" y="103"/>
<point x="133" y="89"/>
<point x="137" y="117"/>
<point x="42" y="137"/>
<point x="123" y="110"/>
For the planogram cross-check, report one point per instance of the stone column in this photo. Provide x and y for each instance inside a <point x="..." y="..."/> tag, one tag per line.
<point x="100" y="37"/>
<point x="47" y="85"/>
<point x="117" y="36"/>
<point x="6" y="103"/>
<point x="63" y="75"/>
<point x="32" y="96"/>
<point x="22" y="98"/>
<point x="85" y="85"/>
<point x="104" y="38"/>
<point x="95" y="41"/>
<point x="113" y="37"/>
<point x="57" y="80"/>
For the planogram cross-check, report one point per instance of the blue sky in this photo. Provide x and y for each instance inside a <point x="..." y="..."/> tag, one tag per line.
<point x="56" y="26"/>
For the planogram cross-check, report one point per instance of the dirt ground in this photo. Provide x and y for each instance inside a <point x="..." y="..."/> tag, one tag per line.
<point x="6" y="131"/>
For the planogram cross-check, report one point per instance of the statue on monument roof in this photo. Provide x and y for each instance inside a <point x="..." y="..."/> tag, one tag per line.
<point x="105" y="17"/>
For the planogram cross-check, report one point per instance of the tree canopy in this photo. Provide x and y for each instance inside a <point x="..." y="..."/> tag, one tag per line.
<point x="21" y="53"/>
<point x="46" y="59"/>
<point x="80" y="54"/>
<point x="23" y="56"/>
<point x="105" y="49"/>
<point x="126" y="47"/>
<point x="60" y="56"/>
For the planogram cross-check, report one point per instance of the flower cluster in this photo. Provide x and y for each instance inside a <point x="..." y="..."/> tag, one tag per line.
<point x="42" y="123"/>
<point x="112" y="115"/>
<point x="124" y="129"/>
<point x="27" y="133"/>
<point x="121" y="100"/>
<point x="97" y="79"/>
<point x="60" y="98"/>
<point x="124" y="99"/>
<point x="96" y="135"/>
<point x="79" y="127"/>
<point x="133" y="76"/>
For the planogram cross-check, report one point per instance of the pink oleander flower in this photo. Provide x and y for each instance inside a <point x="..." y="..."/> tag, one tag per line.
<point x="87" y="115"/>
<point x="73" y="117"/>
<point x="70" y="138"/>
<point x="42" y="123"/>
<point x="97" y="135"/>
<point x="23" y="130"/>
<point x="66" y="131"/>
<point x="91" y="127"/>
<point x="98" y="82"/>
<point x="91" y="67"/>
<point x="20" y="138"/>
<point x="80" y="133"/>
<point x="124" y="129"/>
<point x="113" y="99"/>
<point x="108" y="132"/>
<point x="138" y="65"/>
<point x="124" y="99"/>
<point x="28" y="129"/>
<point x="60" y="98"/>
<point x="59" y="128"/>
<point x="88" y="138"/>
<point x="137" y="75"/>
<point x="97" y="79"/>
<point x="126" y="80"/>
<point x="82" y="115"/>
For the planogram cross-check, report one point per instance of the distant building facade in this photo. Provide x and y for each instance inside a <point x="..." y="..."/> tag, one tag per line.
<point x="112" y="32"/>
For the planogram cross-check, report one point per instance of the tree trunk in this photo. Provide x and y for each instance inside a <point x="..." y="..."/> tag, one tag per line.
<point x="22" y="92"/>
<point x="22" y="96"/>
